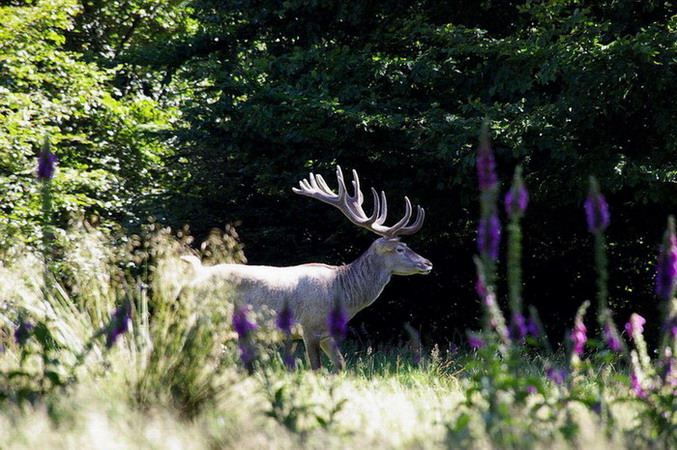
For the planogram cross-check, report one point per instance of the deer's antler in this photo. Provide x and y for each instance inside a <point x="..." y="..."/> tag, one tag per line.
<point x="351" y="205"/>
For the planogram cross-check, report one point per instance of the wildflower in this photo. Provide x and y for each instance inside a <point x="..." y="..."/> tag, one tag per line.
<point x="596" y="407"/>
<point x="285" y="319"/>
<point x="517" y="198"/>
<point x="453" y="348"/>
<point x="489" y="236"/>
<point x="519" y="326"/>
<point x="670" y="326"/>
<point x="46" y="163"/>
<point x="475" y="340"/>
<point x="636" y="384"/>
<point x="532" y="327"/>
<point x="611" y="337"/>
<point x="247" y="355"/>
<point x="243" y="326"/>
<point x="289" y="360"/>
<point x="531" y="390"/>
<point x="596" y="209"/>
<point x="486" y="165"/>
<point x="337" y="322"/>
<point x="119" y="325"/>
<point x="490" y="300"/>
<point x="637" y="376"/>
<point x="285" y="322"/>
<point x="481" y="286"/>
<point x="635" y="325"/>
<point x="579" y="336"/>
<point x="557" y="376"/>
<point x="666" y="267"/>
<point x="23" y="332"/>
<point x="669" y="374"/>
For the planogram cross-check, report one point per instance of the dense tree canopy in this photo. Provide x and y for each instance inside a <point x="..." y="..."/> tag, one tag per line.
<point x="207" y="112"/>
<point x="106" y="157"/>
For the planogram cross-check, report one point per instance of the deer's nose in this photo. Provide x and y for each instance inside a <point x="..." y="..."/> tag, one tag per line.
<point x="427" y="265"/>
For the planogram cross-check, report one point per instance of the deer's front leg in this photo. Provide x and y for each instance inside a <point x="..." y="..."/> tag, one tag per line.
<point x="331" y="348"/>
<point x="312" y="343"/>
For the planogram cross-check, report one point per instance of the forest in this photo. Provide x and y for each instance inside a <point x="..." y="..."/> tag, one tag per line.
<point x="181" y="126"/>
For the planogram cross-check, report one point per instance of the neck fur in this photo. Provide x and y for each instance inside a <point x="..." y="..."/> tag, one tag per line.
<point x="362" y="281"/>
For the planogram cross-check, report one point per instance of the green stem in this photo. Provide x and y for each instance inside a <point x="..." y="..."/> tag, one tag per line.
<point x="601" y="264"/>
<point x="47" y="231"/>
<point x="515" y="266"/>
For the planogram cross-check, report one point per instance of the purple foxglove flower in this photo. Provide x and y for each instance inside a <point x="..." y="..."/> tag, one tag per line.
<point x="490" y="299"/>
<point x="597" y="408"/>
<point x="533" y="329"/>
<point x="119" y="325"/>
<point x="579" y="336"/>
<point x="666" y="267"/>
<point x="516" y="202"/>
<point x="596" y="209"/>
<point x="46" y="163"/>
<point x="23" y="332"/>
<point x="557" y="376"/>
<point x="337" y="322"/>
<point x="289" y="360"/>
<point x="481" y="286"/>
<point x="519" y="326"/>
<point x="489" y="236"/>
<point x="475" y="340"/>
<point x="247" y="354"/>
<point x="636" y="384"/>
<point x="611" y="338"/>
<point x="517" y="198"/>
<point x="285" y="319"/>
<point x="669" y="364"/>
<point x="486" y="165"/>
<point x="635" y="325"/>
<point x="243" y="326"/>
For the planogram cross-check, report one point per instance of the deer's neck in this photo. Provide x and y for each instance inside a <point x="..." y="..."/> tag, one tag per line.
<point x="362" y="281"/>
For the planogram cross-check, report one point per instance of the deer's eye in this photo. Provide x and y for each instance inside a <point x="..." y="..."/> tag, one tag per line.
<point x="399" y="250"/>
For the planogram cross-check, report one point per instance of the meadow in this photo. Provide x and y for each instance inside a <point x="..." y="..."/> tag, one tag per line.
<point x="102" y="349"/>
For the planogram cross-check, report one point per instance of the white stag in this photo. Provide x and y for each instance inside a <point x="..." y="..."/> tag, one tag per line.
<point x="312" y="290"/>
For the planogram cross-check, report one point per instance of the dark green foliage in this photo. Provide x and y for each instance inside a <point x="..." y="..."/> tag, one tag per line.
<point x="248" y="96"/>
<point x="106" y="159"/>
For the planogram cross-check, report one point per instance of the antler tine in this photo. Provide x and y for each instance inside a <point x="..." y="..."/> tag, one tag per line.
<point x="324" y="187"/>
<point x="341" y="182"/>
<point x="358" y="197"/>
<point x="313" y="181"/>
<point x="404" y="220"/>
<point x="414" y="227"/>
<point x="374" y="218"/>
<point x="382" y="210"/>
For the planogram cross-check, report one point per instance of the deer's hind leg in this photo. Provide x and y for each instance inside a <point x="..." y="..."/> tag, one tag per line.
<point x="331" y="348"/>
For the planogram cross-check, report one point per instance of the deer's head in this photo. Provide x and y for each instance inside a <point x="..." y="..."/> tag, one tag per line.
<point x="396" y="256"/>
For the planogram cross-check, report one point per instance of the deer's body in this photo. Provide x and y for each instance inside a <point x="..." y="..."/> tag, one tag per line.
<point x="312" y="290"/>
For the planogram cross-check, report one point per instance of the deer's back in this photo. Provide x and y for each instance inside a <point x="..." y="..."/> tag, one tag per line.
<point x="309" y="289"/>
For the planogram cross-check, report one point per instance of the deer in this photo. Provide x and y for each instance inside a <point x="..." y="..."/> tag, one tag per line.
<point x="312" y="290"/>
